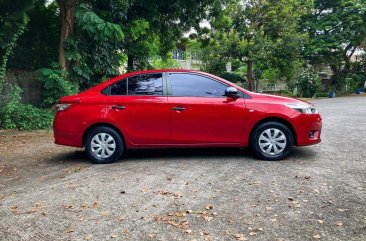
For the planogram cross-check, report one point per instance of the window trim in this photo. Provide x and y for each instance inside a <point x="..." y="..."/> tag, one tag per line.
<point x="126" y="79"/>
<point x="240" y="93"/>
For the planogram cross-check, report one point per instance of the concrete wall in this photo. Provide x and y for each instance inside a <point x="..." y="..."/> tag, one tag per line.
<point x="28" y="82"/>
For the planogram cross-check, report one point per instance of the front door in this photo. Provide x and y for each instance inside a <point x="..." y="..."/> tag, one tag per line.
<point x="139" y="107"/>
<point x="201" y="113"/>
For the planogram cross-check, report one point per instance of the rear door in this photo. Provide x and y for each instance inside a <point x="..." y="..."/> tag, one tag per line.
<point x="201" y="113"/>
<point x="138" y="105"/>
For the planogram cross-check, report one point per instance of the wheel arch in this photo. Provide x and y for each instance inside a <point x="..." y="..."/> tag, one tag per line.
<point x="274" y="119"/>
<point x="102" y="124"/>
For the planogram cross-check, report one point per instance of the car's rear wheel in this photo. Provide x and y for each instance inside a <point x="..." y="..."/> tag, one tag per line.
<point x="104" y="145"/>
<point x="272" y="141"/>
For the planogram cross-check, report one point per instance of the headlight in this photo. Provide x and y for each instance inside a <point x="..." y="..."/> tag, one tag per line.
<point x="302" y="108"/>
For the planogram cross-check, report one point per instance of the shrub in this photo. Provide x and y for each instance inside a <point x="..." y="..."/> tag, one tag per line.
<point x="55" y="85"/>
<point x="232" y="77"/>
<point x="308" y="83"/>
<point x="15" y="115"/>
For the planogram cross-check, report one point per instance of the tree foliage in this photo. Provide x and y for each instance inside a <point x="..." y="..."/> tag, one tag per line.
<point x="38" y="46"/>
<point x="261" y="34"/>
<point x="110" y="33"/>
<point x="13" y="19"/>
<point x="336" y="29"/>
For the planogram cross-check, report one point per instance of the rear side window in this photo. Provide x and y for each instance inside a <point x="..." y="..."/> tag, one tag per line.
<point x="195" y="86"/>
<point x="145" y="84"/>
<point x="119" y="88"/>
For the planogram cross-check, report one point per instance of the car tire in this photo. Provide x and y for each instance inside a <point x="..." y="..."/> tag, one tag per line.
<point x="272" y="141"/>
<point x="104" y="145"/>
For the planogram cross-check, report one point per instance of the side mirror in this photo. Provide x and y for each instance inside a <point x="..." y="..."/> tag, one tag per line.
<point x="231" y="92"/>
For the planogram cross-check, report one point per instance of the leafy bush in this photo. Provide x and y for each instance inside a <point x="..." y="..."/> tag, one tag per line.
<point x="322" y="94"/>
<point x="288" y="93"/>
<point x="232" y="77"/>
<point x="167" y="63"/>
<point x="15" y="115"/>
<point x="55" y="85"/>
<point x="308" y="83"/>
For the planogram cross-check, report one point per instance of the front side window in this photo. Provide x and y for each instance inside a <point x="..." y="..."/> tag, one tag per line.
<point x="195" y="86"/>
<point x="144" y="84"/>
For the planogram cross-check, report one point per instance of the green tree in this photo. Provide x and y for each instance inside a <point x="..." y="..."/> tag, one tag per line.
<point x="336" y="29"/>
<point x="261" y="34"/>
<point x="38" y="46"/>
<point x="109" y="33"/>
<point x="13" y="19"/>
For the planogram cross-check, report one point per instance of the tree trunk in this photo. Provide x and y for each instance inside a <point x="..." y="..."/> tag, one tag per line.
<point x="67" y="27"/>
<point x="130" y="63"/>
<point x="250" y="75"/>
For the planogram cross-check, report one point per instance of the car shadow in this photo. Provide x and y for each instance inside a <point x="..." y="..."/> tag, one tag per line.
<point x="79" y="156"/>
<point x="190" y="153"/>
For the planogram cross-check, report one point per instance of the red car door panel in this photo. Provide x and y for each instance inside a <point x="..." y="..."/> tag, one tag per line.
<point x="207" y="120"/>
<point x="201" y="113"/>
<point x="140" y="109"/>
<point x="143" y="120"/>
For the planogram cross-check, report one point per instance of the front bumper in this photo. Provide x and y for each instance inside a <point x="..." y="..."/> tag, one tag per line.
<point x="309" y="130"/>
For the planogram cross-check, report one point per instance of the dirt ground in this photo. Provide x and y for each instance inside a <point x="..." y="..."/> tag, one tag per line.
<point x="49" y="192"/>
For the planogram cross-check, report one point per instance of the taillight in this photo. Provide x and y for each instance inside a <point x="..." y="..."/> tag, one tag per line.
<point x="63" y="106"/>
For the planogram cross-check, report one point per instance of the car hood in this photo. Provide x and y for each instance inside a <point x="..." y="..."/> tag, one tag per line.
<point x="276" y="99"/>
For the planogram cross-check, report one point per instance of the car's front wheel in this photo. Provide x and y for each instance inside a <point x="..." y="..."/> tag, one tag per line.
<point x="104" y="145"/>
<point x="272" y="141"/>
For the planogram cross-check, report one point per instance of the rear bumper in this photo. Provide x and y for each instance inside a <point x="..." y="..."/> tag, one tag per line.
<point x="309" y="130"/>
<point x="66" y="133"/>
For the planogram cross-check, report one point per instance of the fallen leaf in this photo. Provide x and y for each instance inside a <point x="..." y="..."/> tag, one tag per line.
<point x="125" y="231"/>
<point x="320" y="221"/>
<point x="208" y="219"/>
<point x="88" y="237"/>
<point x="180" y="214"/>
<point x="95" y="205"/>
<point x="207" y="236"/>
<point x="151" y="235"/>
<point x="240" y="237"/>
<point x="104" y="213"/>
<point x="208" y="207"/>
<point x="317" y="236"/>
<point x="114" y="235"/>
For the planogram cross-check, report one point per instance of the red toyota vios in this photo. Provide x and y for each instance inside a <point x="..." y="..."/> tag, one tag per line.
<point x="182" y="108"/>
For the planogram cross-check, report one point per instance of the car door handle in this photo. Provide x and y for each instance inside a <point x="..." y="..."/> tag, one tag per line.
<point x="178" y="108"/>
<point x="118" y="107"/>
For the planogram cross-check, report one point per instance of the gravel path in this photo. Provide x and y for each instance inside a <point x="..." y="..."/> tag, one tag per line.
<point x="48" y="192"/>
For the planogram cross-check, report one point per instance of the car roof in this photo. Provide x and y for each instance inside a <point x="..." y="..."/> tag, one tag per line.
<point x="126" y="75"/>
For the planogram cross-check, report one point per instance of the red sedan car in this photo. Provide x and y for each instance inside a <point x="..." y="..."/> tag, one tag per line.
<point x="182" y="108"/>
